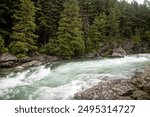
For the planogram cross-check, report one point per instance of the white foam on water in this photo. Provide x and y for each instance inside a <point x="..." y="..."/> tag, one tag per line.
<point x="65" y="80"/>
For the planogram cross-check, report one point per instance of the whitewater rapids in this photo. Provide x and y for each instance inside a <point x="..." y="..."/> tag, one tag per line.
<point x="61" y="80"/>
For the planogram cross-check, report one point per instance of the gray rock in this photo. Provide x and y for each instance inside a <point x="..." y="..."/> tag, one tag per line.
<point x="92" y="55"/>
<point x="7" y="57"/>
<point x="117" y="55"/>
<point x="31" y="64"/>
<point x="19" y="69"/>
<point x="119" y="52"/>
<point x="136" y="88"/>
<point x="107" y="90"/>
<point x="6" y="64"/>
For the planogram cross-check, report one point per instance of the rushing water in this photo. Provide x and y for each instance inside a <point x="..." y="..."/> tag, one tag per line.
<point x="60" y="80"/>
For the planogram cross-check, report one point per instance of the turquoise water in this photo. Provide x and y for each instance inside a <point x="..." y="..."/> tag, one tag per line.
<point x="61" y="80"/>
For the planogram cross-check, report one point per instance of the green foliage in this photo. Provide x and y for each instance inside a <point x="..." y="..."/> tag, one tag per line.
<point x="48" y="16"/>
<point x="71" y="28"/>
<point x="147" y="35"/>
<point x="69" y="40"/>
<point x="2" y="48"/>
<point x="23" y="37"/>
<point x="137" y="37"/>
<point x="97" y="34"/>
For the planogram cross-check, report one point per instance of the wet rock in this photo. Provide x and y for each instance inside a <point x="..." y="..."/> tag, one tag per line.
<point x="136" y="88"/>
<point x="119" y="52"/>
<point x="31" y="64"/>
<point x="107" y="90"/>
<point x="19" y="69"/>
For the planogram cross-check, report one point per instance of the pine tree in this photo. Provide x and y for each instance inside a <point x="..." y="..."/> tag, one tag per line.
<point x="48" y="15"/>
<point x="5" y="20"/>
<point x="69" y="41"/>
<point x="2" y="48"/>
<point x="136" y="37"/>
<point x="97" y="34"/>
<point x="23" y="37"/>
<point x="113" y="28"/>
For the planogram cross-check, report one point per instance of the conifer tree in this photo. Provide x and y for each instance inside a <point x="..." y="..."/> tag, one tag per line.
<point x="5" y="20"/>
<point x="2" y="48"/>
<point x="48" y="15"/>
<point x="113" y="24"/>
<point x="23" y="37"/>
<point x="136" y="37"/>
<point x="69" y="41"/>
<point x="97" y="34"/>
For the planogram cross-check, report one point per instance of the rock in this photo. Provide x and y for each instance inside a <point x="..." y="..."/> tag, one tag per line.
<point x="129" y="46"/>
<point x="92" y="55"/>
<point x="117" y="55"/>
<point x="140" y="95"/>
<point x="107" y="90"/>
<point x="31" y="64"/>
<point x="7" y="60"/>
<point x="119" y="52"/>
<point x="6" y="64"/>
<point x="7" y="57"/>
<point x="25" y="60"/>
<point x="19" y="69"/>
<point x="136" y="88"/>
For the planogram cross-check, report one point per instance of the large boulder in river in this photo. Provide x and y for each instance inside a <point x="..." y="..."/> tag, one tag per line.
<point x="136" y="88"/>
<point x="7" y="60"/>
<point x="119" y="52"/>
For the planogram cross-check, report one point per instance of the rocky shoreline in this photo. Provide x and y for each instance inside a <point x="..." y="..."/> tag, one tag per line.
<point x="8" y="60"/>
<point x="137" y="88"/>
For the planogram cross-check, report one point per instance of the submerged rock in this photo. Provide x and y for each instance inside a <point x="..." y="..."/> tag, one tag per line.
<point x="136" y="88"/>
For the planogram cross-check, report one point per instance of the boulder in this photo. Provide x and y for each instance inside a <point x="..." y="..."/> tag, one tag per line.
<point x="31" y="64"/>
<point x="19" y="69"/>
<point x="107" y="90"/>
<point x="7" y="57"/>
<point x="92" y="55"/>
<point x="136" y="88"/>
<point x="119" y="52"/>
<point x="7" y="60"/>
<point x="6" y="64"/>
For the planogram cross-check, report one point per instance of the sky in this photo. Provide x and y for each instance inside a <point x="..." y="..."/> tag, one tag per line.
<point x="139" y="1"/>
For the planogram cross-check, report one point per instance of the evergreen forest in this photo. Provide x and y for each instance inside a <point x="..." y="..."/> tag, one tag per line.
<point x="72" y="28"/>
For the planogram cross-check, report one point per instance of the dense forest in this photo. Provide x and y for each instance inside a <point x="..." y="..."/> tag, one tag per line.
<point x="72" y="28"/>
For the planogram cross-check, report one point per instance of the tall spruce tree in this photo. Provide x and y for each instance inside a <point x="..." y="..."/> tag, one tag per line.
<point x="5" y="20"/>
<point x="23" y="37"/>
<point x="113" y="29"/>
<point x="69" y="40"/>
<point x="97" y="34"/>
<point x="47" y="18"/>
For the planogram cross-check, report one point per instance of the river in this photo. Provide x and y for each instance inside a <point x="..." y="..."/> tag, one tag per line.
<point x="62" y="79"/>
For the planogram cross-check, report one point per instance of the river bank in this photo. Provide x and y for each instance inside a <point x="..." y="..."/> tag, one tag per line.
<point x="136" y="88"/>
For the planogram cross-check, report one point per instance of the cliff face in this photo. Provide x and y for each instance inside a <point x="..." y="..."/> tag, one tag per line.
<point x="137" y="88"/>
